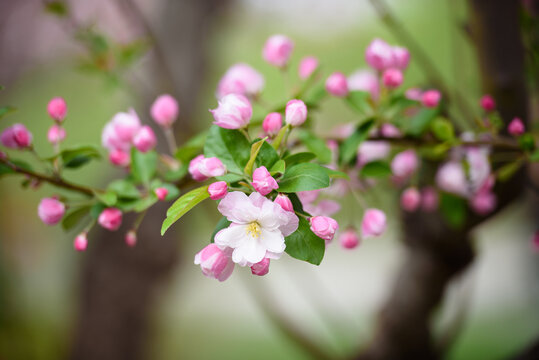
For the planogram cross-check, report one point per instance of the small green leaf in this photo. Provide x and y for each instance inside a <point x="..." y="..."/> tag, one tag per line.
<point x="315" y="96"/>
<point x="267" y="156"/>
<point x="173" y="191"/>
<point x="296" y="203"/>
<point x="453" y="209"/>
<point x="58" y="8"/>
<point x="183" y="205"/>
<point x="143" y="165"/>
<point x="376" y="169"/>
<point x="303" y="177"/>
<point x="304" y="245"/>
<point x="442" y="129"/>
<point x="175" y="175"/>
<point x="334" y="174"/>
<point x="108" y="198"/>
<point x="4" y="110"/>
<point x="299" y="158"/>
<point x="73" y="217"/>
<point x="145" y="203"/>
<point x="280" y="135"/>
<point x="192" y="147"/>
<point x="231" y="147"/>
<point x="278" y="168"/>
<point x="526" y="142"/>
<point x="359" y="101"/>
<point x="421" y="121"/>
<point x="124" y="189"/>
<point x="222" y="224"/>
<point x="316" y="145"/>
<point x="96" y="210"/>
<point x="255" y="148"/>
<point x="75" y="157"/>
<point x="508" y="170"/>
<point x="6" y="170"/>
<point x="348" y="148"/>
<point x="535" y="156"/>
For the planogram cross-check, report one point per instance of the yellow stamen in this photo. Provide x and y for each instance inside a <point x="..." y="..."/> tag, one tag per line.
<point x="253" y="230"/>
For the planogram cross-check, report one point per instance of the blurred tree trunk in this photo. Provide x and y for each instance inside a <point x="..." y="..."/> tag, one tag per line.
<point x="436" y="253"/>
<point x="119" y="284"/>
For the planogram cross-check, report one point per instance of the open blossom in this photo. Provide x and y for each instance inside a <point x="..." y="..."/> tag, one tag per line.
<point x="81" y="242"/>
<point x="285" y="202"/>
<point x="110" y="218"/>
<point x="214" y="262"/>
<point x="258" y="227"/>
<point x="57" y="109"/>
<point x="126" y="125"/>
<point x="349" y="239"/>
<point x="392" y="78"/>
<point x="234" y="112"/>
<point x="373" y="223"/>
<point x="337" y="84"/>
<point x="451" y="177"/>
<point x="431" y="98"/>
<point x="218" y="190"/>
<point x="365" y="80"/>
<point x="277" y="50"/>
<point x="479" y="167"/>
<point x="261" y="268"/>
<point x="202" y="168"/>
<point x="324" y="227"/>
<point x="429" y="199"/>
<point x="119" y="158"/>
<point x="379" y="54"/>
<point x="165" y="110"/>
<point x="161" y="193"/>
<point x="307" y="67"/>
<point x="263" y="182"/>
<point x="400" y="57"/>
<point x="240" y="79"/>
<point x="404" y="164"/>
<point x="488" y="103"/>
<point x="272" y="123"/>
<point x="56" y="134"/>
<point x="16" y="136"/>
<point x="410" y="199"/>
<point x="516" y="127"/>
<point x="145" y="139"/>
<point x="295" y="112"/>
<point x="51" y="211"/>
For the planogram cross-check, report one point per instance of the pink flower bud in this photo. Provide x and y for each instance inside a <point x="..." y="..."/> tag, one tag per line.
<point x="364" y="80"/>
<point x="400" y="57"/>
<point x="392" y="78"/>
<point x="240" y="79"/>
<point x="145" y="139"/>
<point x="516" y="127"/>
<point x="161" y="193"/>
<point x="110" y="219"/>
<point x="51" y="211"/>
<point x="81" y="242"/>
<point x="277" y="50"/>
<point x="373" y="223"/>
<point x="165" y="110"/>
<point x="261" y="268"/>
<point x="404" y="164"/>
<point x="487" y="103"/>
<point x="16" y="137"/>
<point x="390" y="131"/>
<point x="379" y="54"/>
<point x="211" y="167"/>
<point x="483" y="203"/>
<point x="56" y="134"/>
<point x="295" y="112"/>
<point x="324" y="227"/>
<point x="126" y="125"/>
<point x="112" y="141"/>
<point x="307" y="67"/>
<point x="349" y="239"/>
<point x="218" y="190"/>
<point x="431" y="98"/>
<point x="194" y="168"/>
<point x="131" y="238"/>
<point x="57" y="109"/>
<point x="429" y="199"/>
<point x="234" y="112"/>
<point x="284" y="202"/>
<point x="215" y="263"/>
<point x="263" y="182"/>
<point x="451" y="177"/>
<point x="337" y="85"/>
<point x="272" y="123"/>
<point x="119" y="158"/>
<point x="410" y="199"/>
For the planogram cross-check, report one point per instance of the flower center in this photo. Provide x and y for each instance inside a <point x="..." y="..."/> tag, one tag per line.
<point x="253" y="230"/>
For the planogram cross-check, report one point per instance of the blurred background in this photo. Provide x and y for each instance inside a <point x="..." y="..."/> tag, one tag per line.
<point x="42" y="280"/>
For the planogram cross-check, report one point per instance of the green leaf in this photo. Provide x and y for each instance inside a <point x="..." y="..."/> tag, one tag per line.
<point x="376" y="169"/>
<point x="124" y="189"/>
<point x="231" y="147"/>
<point x="316" y="145"/>
<point x="535" y="156"/>
<point x="4" y="110"/>
<point x="442" y="129"/>
<point x="75" y="157"/>
<point x="192" y="147"/>
<point x="73" y="217"/>
<point x="278" y="168"/>
<point x="108" y="198"/>
<point x="348" y="149"/>
<point x="315" y="96"/>
<point x="183" y="205"/>
<point x="359" y="101"/>
<point x="296" y="203"/>
<point x="145" y="203"/>
<point x="421" y="121"/>
<point x="303" y="177"/>
<point x="267" y="156"/>
<point x="304" y="245"/>
<point x="6" y="170"/>
<point x="453" y="209"/>
<point x="335" y="174"/>
<point x="96" y="210"/>
<point x="143" y="165"/>
<point x="508" y="170"/>
<point x="255" y="148"/>
<point x="175" y="175"/>
<point x="279" y="137"/>
<point x="222" y="224"/>
<point x="58" y="8"/>
<point x="526" y="142"/>
<point x="299" y="158"/>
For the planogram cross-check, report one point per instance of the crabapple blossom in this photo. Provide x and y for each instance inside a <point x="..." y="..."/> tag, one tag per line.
<point x="324" y="227"/>
<point x="272" y="123"/>
<point x="165" y="110"/>
<point x="431" y="98"/>
<point x="295" y="112"/>
<point x="372" y="150"/>
<point x="400" y="57"/>
<point x="337" y="84"/>
<point x="16" y="136"/>
<point x="51" y="211"/>
<point x="131" y="238"/>
<point x="277" y="50"/>
<point x="145" y="139"/>
<point x="214" y="262"/>
<point x="364" y="80"/>
<point x="81" y="242"/>
<point x="218" y="190"/>
<point x="379" y="54"/>
<point x="119" y="158"/>
<point x="392" y="78"/>
<point x="373" y="223"/>
<point x="410" y="199"/>
<point x="479" y="167"/>
<point x="240" y="79"/>
<point x="234" y="112"/>
<point x="390" y="131"/>
<point x="202" y="168"/>
<point x="110" y="218"/>
<point x="349" y="239"/>
<point x="285" y="202"/>
<point x="56" y="134"/>
<point x="258" y="227"/>
<point x="263" y="182"/>
<point x="57" y="109"/>
<point x="516" y="127"/>
<point x="307" y="67"/>
<point x="404" y="164"/>
<point x="126" y="125"/>
<point x="261" y="268"/>
<point x="488" y="103"/>
<point x="451" y="177"/>
<point x="161" y="193"/>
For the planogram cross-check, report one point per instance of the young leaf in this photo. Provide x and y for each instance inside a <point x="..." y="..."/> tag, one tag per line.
<point x="442" y="129"/>
<point x="303" y="177"/>
<point x="6" y="170"/>
<point x="145" y="203"/>
<point x="4" y="110"/>
<point x="278" y="168"/>
<point x="77" y="156"/>
<point x="508" y="170"/>
<point x="191" y="147"/>
<point x="96" y="210"/>
<point x="108" y="198"/>
<point x="143" y="165"/>
<point x="421" y="121"/>
<point x="535" y="156"/>
<point x="453" y="209"/>
<point x="348" y="148"/>
<point x="299" y="158"/>
<point x="316" y="145"/>
<point x="296" y="203"/>
<point x="74" y="216"/>
<point x="124" y="189"/>
<point x="183" y="205"/>
<point x="304" y="245"/>
<point x="334" y="174"/>
<point x="315" y="96"/>
<point x="375" y="169"/>
<point x="279" y="137"/>
<point x="255" y="148"/>
<point x="267" y="156"/>
<point x="359" y="101"/>
<point x="231" y="147"/>
<point x="222" y="224"/>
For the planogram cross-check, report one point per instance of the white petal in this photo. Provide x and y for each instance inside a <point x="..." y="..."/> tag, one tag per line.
<point x="238" y="208"/>
<point x="232" y="236"/>
<point x="272" y="240"/>
<point x="249" y="251"/>
<point x="291" y="225"/>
